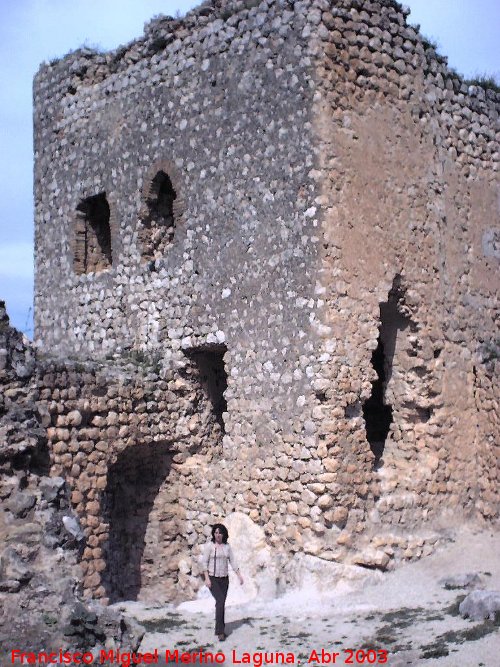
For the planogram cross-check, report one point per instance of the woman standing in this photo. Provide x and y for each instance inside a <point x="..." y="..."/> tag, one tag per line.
<point x="216" y="556"/>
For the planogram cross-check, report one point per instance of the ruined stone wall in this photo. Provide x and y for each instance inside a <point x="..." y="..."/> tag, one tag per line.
<point x="130" y="439"/>
<point x="304" y="190"/>
<point x="40" y="539"/>
<point x="409" y="170"/>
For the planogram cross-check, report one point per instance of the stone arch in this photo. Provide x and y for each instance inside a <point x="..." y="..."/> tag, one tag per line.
<point x="93" y="236"/>
<point x="161" y="211"/>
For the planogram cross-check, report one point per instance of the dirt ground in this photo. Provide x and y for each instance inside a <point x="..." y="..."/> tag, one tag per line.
<point x="402" y="618"/>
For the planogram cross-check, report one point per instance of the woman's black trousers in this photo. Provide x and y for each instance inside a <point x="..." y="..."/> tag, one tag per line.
<point x="218" y="588"/>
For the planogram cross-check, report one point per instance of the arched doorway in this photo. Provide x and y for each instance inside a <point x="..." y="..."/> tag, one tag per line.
<point x="140" y="507"/>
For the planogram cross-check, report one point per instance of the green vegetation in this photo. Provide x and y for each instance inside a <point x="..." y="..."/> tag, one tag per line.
<point x="430" y="43"/>
<point x="87" y="49"/>
<point x="453" y="609"/>
<point x="483" y="80"/>
<point x="402" y="618"/>
<point x="486" y="81"/>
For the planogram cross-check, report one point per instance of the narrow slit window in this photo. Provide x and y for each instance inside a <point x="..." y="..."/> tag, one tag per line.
<point x="158" y="225"/>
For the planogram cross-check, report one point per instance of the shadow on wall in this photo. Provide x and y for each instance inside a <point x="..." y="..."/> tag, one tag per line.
<point x="133" y="484"/>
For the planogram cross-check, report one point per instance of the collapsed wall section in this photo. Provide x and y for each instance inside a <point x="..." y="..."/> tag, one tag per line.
<point x="40" y="603"/>
<point x="133" y="443"/>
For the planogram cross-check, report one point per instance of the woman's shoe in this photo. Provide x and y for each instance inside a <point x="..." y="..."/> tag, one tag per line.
<point x="222" y="637"/>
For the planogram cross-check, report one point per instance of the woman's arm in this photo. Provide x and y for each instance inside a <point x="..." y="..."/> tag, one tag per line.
<point x="205" y="560"/>
<point x="234" y="564"/>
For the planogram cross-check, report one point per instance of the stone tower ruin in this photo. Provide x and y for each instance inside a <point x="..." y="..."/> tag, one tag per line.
<point x="267" y="247"/>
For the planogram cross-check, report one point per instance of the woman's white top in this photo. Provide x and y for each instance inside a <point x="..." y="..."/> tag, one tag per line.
<point x="216" y="558"/>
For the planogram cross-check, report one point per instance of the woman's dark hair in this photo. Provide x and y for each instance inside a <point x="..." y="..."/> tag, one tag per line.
<point x="222" y="529"/>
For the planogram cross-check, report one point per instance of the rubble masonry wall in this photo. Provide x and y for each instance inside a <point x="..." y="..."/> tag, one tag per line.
<point x="324" y="161"/>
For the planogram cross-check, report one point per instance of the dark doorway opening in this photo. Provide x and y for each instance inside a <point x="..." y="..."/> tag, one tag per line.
<point x="378" y="414"/>
<point x="93" y="235"/>
<point x="134" y="482"/>
<point x="212" y="377"/>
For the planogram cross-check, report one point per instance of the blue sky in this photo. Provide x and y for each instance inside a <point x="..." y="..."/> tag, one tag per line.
<point x="32" y="31"/>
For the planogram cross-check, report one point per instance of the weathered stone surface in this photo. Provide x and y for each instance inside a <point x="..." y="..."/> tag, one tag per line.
<point x="258" y="564"/>
<point x="20" y="503"/>
<point x="12" y="567"/>
<point x="317" y="576"/>
<point x="51" y="487"/>
<point x="480" y="605"/>
<point x="466" y="580"/>
<point x="375" y="558"/>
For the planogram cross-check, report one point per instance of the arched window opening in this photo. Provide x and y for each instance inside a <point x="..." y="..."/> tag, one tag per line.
<point x="158" y="225"/>
<point x="92" y="252"/>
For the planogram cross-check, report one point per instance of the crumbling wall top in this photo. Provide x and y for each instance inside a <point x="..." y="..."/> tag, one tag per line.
<point x="87" y="66"/>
